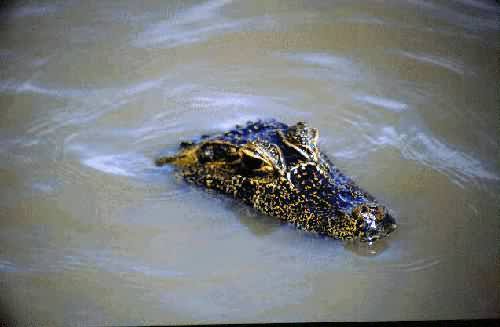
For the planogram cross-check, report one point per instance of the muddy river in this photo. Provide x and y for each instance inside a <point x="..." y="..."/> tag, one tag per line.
<point x="405" y="96"/>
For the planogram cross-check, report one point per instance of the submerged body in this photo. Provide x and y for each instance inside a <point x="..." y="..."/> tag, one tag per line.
<point x="280" y="171"/>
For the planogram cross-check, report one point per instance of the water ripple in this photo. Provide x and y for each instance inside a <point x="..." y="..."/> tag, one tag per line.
<point x="389" y="104"/>
<point x="447" y="63"/>
<point x="486" y="21"/>
<point x="414" y="266"/>
<point x="458" y="165"/>
<point x="86" y="105"/>
<point x="423" y="147"/>
<point x="196" y="24"/>
<point x="34" y="10"/>
<point x="122" y="164"/>
<point x="325" y="65"/>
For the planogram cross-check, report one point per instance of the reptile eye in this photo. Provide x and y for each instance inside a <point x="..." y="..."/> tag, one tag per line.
<point x="364" y="209"/>
<point x="252" y="163"/>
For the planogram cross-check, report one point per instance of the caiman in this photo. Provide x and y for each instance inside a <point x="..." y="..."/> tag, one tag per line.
<point x="281" y="172"/>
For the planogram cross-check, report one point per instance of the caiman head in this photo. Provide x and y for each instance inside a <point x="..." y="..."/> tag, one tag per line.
<point x="287" y="176"/>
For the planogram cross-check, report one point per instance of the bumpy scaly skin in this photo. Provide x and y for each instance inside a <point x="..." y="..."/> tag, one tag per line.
<point x="280" y="171"/>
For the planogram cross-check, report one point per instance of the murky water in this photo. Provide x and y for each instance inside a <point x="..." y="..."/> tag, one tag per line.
<point x="404" y="93"/>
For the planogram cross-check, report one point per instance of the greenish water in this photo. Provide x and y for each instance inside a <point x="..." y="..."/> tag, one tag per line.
<point x="404" y="93"/>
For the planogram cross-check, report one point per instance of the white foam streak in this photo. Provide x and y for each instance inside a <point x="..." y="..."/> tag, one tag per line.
<point x="7" y="266"/>
<point x="201" y="12"/>
<point x="106" y="164"/>
<point x="175" y="36"/>
<point x="388" y="136"/>
<point x="190" y="26"/>
<point x="389" y="104"/>
<point x="85" y="106"/>
<point x="446" y="63"/>
<point x="225" y="100"/>
<point x="325" y="66"/>
<point x="29" y="87"/>
<point x="483" y="5"/>
<point x="197" y="24"/>
<point x="441" y="157"/>
<point x="427" y="150"/>
<point x="34" y="10"/>
<point x="119" y="164"/>
<point x="320" y="59"/>
<point x="488" y="20"/>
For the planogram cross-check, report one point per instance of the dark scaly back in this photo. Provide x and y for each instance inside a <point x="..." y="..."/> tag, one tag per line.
<point x="241" y="134"/>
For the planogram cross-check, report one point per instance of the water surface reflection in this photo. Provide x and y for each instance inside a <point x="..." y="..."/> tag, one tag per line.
<point x="403" y="93"/>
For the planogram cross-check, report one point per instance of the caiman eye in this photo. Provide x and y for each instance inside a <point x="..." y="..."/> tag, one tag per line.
<point x="252" y="163"/>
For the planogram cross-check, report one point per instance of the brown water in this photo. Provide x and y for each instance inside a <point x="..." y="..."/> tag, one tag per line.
<point x="404" y="93"/>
